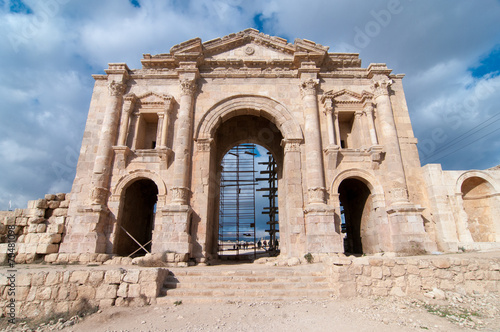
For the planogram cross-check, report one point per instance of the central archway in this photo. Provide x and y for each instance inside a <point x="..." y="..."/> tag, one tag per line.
<point x="249" y="119"/>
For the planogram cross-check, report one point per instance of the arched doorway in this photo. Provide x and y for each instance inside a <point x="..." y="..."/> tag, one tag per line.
<point x="476" y="194"/>
<point x="243" y="129"/>
<point x="356" y="220"/>
<point x="136" y="222"/>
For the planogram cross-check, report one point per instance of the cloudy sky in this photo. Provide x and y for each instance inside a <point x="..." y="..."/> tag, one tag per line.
<point x="449" y="50"/>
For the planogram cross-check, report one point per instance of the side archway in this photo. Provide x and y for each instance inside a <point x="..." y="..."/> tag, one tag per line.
<point x="133" y="176"/>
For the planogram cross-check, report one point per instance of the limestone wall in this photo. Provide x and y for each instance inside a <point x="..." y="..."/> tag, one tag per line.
<point x="44" y="293"/>
<point x="38" y="229"/>
<point x="414" y="276"/>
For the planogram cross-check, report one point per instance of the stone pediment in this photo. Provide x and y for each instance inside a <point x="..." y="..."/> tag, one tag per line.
<point x="347" y="97"/>
<point x="151" y="99"/>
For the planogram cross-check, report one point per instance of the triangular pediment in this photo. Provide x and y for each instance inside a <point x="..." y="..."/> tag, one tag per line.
<point x="151" y="98"/>
<point x="347" y="97"/>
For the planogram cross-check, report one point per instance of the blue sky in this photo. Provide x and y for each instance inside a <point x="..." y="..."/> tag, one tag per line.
<point x="449" y="51"/>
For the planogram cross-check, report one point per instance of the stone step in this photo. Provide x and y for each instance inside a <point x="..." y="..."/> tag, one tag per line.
<point x="247" y="285"/>
<point x="261" y="294"/>
<point x="247" y="273"/>
<point x="242" y="279"/>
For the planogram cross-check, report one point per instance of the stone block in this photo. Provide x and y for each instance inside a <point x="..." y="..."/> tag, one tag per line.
<point x="348" y="290"/>
<point x="106" y="291"/>
<point x="52" y="278"/>
<point x="86" y="292"/>
<point x="106" y="303"/>
<point x="132" y="276"/>
<point x="96" y="277"/>
<point x="48" y="238"/>
<point x="413" y="269"/>
<point x="20" y="258"/>
<point x="62" y="258"/>
<point x="122" y="290"/>
<point x="134" y="290"/>
<point x="53" y="204"/>
<point x="398" y="270"/>
<point x="60" y="196"/>
<point x="60" y="220"/>
<point x="376" y="261"/>
<point x="50" y="197"/>
<point x="79" y="277"/>
<point x="60" y="212"/>
<point x="55" y="228"/>
<point x="149" y="275"/>
<point x="41" y="228"/>
<point x="380" y="291"/>
<point x="47" y="248"/>
<point x="377" y="272"/>
<point x="441" y="263"/>
<point x="43" y="293"/>
<point x="113" y="276"/>
<point x="41" y="204"/>
<point x="150" y="289"/>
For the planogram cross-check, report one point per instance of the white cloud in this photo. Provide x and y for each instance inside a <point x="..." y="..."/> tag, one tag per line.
<point x="45" y="82"/>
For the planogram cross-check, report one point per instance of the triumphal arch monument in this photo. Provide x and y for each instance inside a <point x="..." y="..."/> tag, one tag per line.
<point x="149" y="167"/>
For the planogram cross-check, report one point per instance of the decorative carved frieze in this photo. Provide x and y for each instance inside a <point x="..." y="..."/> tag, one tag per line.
<point x="116" y="88"/>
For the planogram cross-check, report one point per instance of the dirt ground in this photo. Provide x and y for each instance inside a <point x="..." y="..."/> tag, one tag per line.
<point x="360" y="314"/>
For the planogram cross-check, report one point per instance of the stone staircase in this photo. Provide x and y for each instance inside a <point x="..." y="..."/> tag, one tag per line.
<point x="245" y="282"/>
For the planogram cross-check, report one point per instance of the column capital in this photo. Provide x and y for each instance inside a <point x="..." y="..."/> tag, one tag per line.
<point x="368" y="108"/>
<point x="116" y="89"/>
<point x="316" y="195"/>
<point x="180" y="194"/>
<point x="129" y="102"/>
<point x="309" y="87"/>
<point x="291" y="145"/>
<point x="204" y="144"/>
<point x="380" y="85"/>
<point x="188" y="87"/>
<point x="169" y="101"/>
<point x="328" y="104"/>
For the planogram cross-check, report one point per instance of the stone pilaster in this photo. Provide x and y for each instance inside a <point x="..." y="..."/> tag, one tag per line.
<point x="128" y="108"/>
<point x="368" y="111"/>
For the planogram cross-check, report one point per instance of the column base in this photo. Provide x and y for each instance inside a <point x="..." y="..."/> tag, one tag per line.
<point x="323" y="233"/>
<point x="171" y="231"/>
<point x="408" y="234"/>
<point x="85" y="233"/>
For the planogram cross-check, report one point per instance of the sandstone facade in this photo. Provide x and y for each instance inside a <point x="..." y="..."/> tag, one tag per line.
<point x="341" y="135"/>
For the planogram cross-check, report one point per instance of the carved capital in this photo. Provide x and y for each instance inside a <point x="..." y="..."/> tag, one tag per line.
<point x="116" y="88"/>
<point x="204" y="144"/>
<point x="291" y="145"/>
<point x="368" y="109"/>
<point x="188" y="87"/>
<point x="381" y="85"/>
<point x="398" y="195"/>
<point x="328" y="103"/>
<point x="309" y="87"/>
<point x="316" y="194"/>
<point x="129" y="102"/>
<point x="180" y="194"/>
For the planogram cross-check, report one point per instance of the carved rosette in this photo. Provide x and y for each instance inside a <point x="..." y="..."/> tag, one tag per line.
<point x="116" y="88"/>
<point x="316" y="195"/>
<point x="381" y="85"/>
<point x="188" y="87"/>
<point x="309" y="87"/>
<point x="180" y="194"/>
<point x="291" y="145"/>
<point x="99" y="195"/>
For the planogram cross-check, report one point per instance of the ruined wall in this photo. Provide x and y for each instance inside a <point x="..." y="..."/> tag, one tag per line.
<point x="38" y="229"/>
<point x="48" y="292"/>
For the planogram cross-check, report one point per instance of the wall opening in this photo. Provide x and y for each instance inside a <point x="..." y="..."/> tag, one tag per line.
<point x="247" y="130"/>
<point x="146" y="131"/>
<point x="137" y="219"/>
<point x="476" y="201"/>
<point x="356" y="217"/>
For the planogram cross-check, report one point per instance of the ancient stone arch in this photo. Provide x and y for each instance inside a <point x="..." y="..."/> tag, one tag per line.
<point x="135" y="175"/>
<point x="249" y="105"/>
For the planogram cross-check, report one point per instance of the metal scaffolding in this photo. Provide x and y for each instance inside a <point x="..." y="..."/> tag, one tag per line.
<point x="237" y="201"/>
<point x="272" y="208"/>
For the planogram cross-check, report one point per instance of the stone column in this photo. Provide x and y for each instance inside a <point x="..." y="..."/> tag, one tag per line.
<point x="359" y="135"/>
<point x="102" y="165"/>
<point x="165" y="123"/>
<point x="337" y="128"/>
<point x="329" y="122"/>
<point x="183" y="139"/>
<point x="312" y="133"/>
<point x="398" y="192"/>
<point x="128" y="108"/>
<point x="368" y="110"/>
